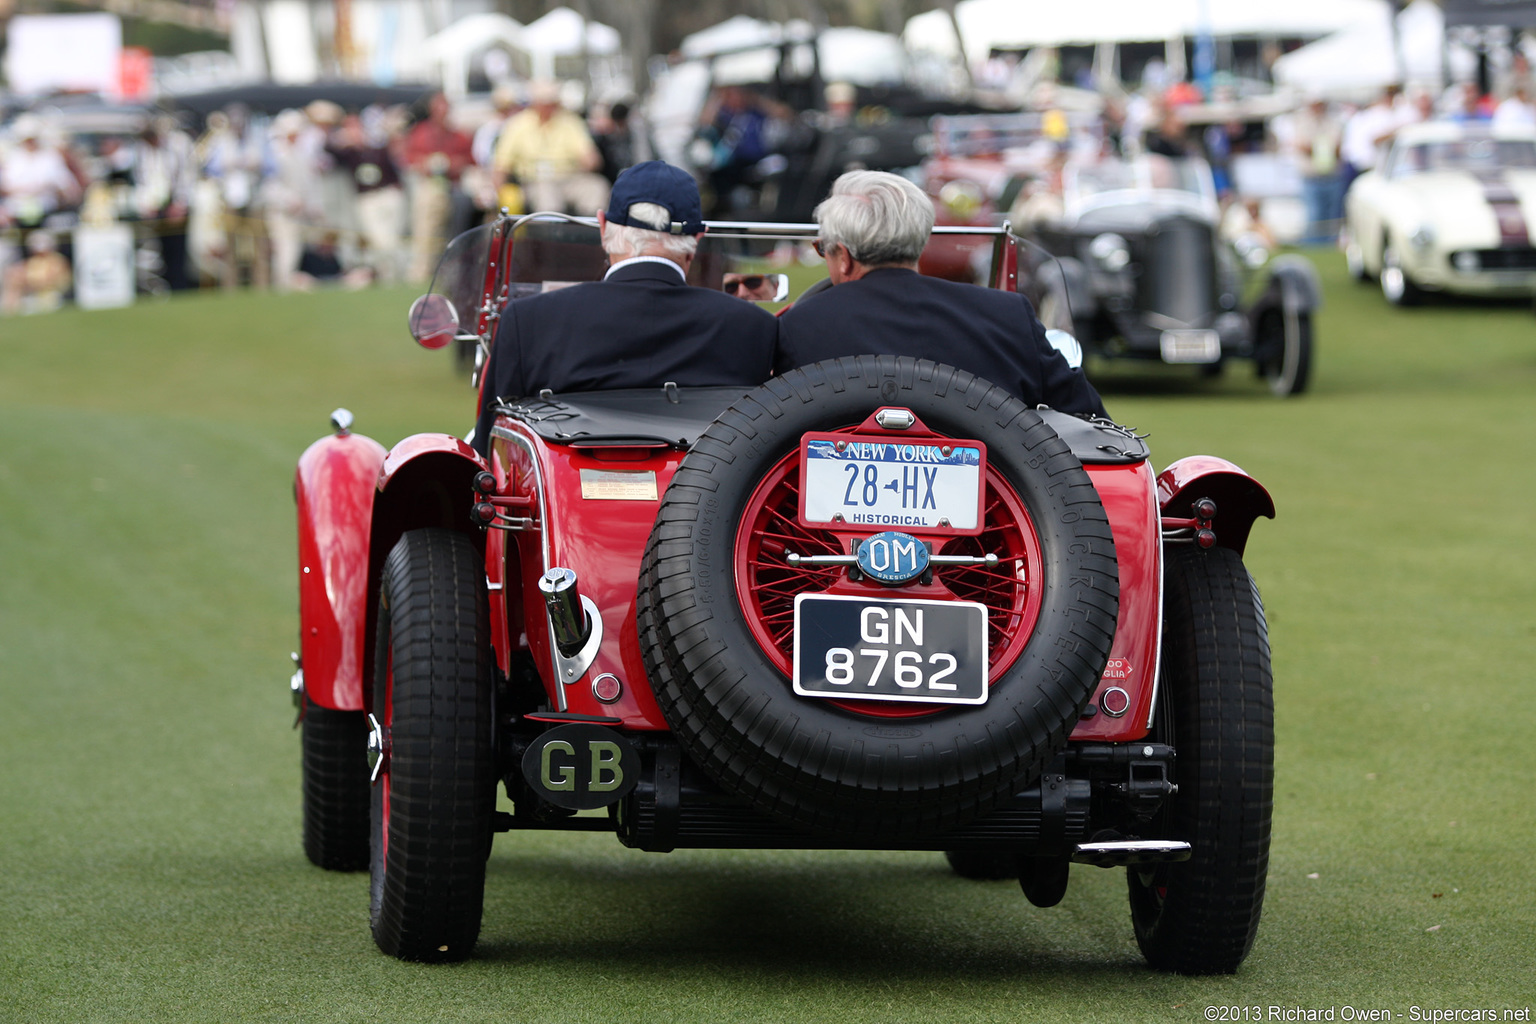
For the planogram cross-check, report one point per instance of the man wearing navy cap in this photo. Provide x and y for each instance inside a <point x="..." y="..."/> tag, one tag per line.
<point x="642" y="325"/>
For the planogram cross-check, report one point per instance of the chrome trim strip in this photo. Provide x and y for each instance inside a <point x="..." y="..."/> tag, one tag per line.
<point x="1157" y="659"/>
<point x="1141" y="851"/>
<point x="538" y="482"/>
<point x="560" y="664"/>
<point x="733" y="228"/>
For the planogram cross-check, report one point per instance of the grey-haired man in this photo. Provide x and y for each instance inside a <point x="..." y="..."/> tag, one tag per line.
<point x="874" y="226"/>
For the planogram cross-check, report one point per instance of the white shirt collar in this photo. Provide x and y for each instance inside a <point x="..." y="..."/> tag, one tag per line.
<point x="646" y="259"/>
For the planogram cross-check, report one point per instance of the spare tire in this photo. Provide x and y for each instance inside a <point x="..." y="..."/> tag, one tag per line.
<point x="716" y="598"/>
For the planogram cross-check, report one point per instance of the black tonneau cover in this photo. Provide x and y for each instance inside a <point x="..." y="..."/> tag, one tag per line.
<point x="676" y="417"/>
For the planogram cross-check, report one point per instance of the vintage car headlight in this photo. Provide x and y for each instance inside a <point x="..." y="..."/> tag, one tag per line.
<point x="1423" y="238"/>
<point x="962" y="199"/>
<point x="1110" y="251"/>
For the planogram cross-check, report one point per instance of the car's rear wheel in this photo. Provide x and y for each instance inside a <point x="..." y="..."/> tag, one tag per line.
<point x="334" y="768"/>
<point x="1284" y="356"/>
<point x="1216" y="708"/>
<point x="435" y="796"/>
<point x="1397" y="286"/>
<point x="717" y="597"/>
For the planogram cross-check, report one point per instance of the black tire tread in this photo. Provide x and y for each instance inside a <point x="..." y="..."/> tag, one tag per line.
<point x="1216" y="668"/>
<point x="429" y="901"/>
<point x="334" y="768"/>
<point x="1273" y="366"/>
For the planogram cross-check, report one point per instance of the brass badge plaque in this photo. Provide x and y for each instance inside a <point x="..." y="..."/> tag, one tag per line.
<point x="618" y="485"/>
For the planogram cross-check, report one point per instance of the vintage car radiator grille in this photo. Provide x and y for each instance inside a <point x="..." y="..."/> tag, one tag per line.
<point x="1178" y="271"/>
<point x="1511" y="258"/>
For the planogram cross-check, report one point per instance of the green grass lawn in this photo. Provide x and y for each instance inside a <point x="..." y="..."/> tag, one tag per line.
<point x="150" y="866"/>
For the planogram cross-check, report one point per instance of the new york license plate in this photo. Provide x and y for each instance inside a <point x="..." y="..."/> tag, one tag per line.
<point x="928" y="652"/>
<point x="905" y="485"/>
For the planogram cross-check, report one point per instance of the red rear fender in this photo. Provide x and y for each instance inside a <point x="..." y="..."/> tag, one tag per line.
<point x="1239" y="498"/>
<point x="427" y="480"/>
<point x="334" y="488"/>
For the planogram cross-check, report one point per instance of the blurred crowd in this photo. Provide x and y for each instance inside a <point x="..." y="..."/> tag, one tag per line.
<point x="304" y="198"/>
<point x="1321" y="146"/>
<point x="325" y="196"/>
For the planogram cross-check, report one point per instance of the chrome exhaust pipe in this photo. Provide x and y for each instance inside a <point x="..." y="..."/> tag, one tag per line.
<point x="566" y="615"/>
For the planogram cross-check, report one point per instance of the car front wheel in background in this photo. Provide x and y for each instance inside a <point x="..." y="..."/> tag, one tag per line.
<point x="335" y="780"/>
<point x="435" y="796"/>
<point x="1217" y="709"/>
<point x="1396" y="286"/>
<point x="1284" y="356"/>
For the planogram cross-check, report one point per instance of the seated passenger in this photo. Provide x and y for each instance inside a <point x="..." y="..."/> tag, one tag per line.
<point x="642" y="325"/>
<point x="874" y="226"/>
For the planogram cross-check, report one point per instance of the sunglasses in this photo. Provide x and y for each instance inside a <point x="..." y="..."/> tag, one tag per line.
<point x="820" y="247"/>
<point x="751" y="283"/>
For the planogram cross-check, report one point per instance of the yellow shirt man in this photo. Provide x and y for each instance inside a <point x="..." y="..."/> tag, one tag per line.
<point x="548" y="150"/>
<point x="532" y="148"/>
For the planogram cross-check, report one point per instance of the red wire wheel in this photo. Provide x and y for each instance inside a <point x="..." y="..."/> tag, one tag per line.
<point x="766" y="584"/>
<point x="715" y="608"/>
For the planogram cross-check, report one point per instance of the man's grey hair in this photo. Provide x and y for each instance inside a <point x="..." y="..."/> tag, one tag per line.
<point x="882" y="219"/>
<point x="623" y="241"/>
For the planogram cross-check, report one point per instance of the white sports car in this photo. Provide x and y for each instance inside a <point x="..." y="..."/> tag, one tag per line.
<point x="1450" y="211"/>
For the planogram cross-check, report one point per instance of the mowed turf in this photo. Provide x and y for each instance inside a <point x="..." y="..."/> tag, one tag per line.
<point x="150" y="866"/>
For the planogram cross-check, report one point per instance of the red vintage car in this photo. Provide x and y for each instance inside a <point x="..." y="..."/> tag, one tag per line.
<point x="875" y="603"/>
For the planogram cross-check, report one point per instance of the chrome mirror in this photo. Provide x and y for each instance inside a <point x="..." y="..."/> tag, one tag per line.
<point x="434" y="322"/>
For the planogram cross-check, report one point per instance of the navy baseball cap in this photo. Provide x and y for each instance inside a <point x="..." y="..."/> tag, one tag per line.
<point x="657" y="181"/>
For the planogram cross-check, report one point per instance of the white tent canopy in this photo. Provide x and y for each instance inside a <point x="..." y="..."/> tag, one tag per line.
<point x="1360" y="60"/>
<point x="989" y="24"/>
<point x="475" y="32"/>
<point x="745" y="51"/>
<point x="455" y="47"/>
<point x="737" y="33"/>
<point x="558" y="34"/>
<point x="861" y="57"/>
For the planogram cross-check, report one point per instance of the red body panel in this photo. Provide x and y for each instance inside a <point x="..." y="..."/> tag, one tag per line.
<point x="1239" y="498"/>
<point x="603" y="541"/>
<point x="334" y="488"/>
<point x="1127" y="493"/>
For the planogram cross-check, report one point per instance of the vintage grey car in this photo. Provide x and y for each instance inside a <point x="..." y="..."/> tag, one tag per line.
<point x="1131" y="260"/>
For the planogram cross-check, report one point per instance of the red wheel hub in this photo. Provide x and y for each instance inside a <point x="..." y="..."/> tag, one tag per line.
<point x="766" y="584"/>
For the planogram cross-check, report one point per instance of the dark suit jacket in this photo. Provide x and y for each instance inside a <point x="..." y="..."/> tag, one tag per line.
<point x="891" y="311"/>
<point x="642" y="327"/>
